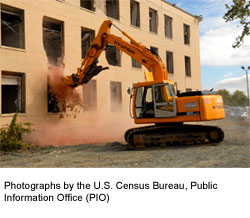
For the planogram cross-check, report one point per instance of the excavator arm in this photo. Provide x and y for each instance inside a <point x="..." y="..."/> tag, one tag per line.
<point x="135" y="50"/>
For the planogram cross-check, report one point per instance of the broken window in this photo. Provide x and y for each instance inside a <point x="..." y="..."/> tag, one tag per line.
<point x="112" y="9"/>
<point x="88" y="4"/>
<point x="89" y="91"/>
<point x="53" y="104"/>
<point x="154" y="50"/>
<point x="168" y="26"/>
<point x="116" y="96"/>
<point x="12" y="26"/>
<point x="170" y="62"/>
<point x="153" y="20"/>
<point x="87" y="37"/>
<point x="13" y="93"/>
<point x="186" y="34"/>
<point x="113" y="55"/>
<point x="188" y="66"/>
<point x="135" y="13"/>
<point x="53" y="40"/>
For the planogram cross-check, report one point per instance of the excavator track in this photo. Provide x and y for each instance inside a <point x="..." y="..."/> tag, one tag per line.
<point x="164" y="135"/>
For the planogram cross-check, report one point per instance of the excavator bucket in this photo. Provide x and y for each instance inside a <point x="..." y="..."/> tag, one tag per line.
<point x="111" y="55"/>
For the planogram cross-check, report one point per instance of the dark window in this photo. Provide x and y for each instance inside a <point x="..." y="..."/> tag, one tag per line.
<point x="113" y="55"/>
<point x="112" y="9"/>
<point x="12" y="26"/>
<point x="87" y="37"/>
<point x="88" y="4"/>
<point x="168" y="26"/>
<point x="135" y="63"/>
<point x="13" y="92"/>
<point x="53" y="40"/>
<point x="116" y="96"/>
<point x="170" y="62"/>
<point x="153" y="20"/>
<point x="89" y="91"/>
<point x="188" y="66"/>
<point x="154" y="50"/>
<point x="188" y="90"/>
<point x="135" y="13"/>
<point x="186" y="34"/>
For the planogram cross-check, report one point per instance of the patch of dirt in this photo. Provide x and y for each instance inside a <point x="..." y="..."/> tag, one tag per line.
<point x="234" y="151"/>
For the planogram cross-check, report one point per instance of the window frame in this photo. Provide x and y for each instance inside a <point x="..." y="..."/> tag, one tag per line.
<point x="20" y="13"/>
<point x="21" y="77"/>
<point x="151" y="28"/>
<point x="186" y="33"/>
<point x="89" y="94"/>
<point x="117" y="10"/>
<point x="188" y="68"/>
<point x="92" y="7"/>
<point x="172" y="62"/>
<point x="92" y="36"/>
<point x="166" y="17"/>
<point x="115" y="106"/>
<point x="138" y="13"/>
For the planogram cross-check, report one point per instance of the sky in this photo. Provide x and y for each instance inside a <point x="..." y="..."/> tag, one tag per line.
<point x="220" y="63"/>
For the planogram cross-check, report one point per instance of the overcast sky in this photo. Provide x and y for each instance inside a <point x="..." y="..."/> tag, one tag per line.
<point x="220" y="63"/>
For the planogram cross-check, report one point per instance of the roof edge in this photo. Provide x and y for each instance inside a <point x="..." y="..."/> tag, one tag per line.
<point x="198" y="17"/>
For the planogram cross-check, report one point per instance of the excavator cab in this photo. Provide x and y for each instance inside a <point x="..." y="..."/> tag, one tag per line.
<point x="155" y="100"/>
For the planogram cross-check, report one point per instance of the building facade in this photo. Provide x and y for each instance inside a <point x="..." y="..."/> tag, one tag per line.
<point x="38" y="34"/>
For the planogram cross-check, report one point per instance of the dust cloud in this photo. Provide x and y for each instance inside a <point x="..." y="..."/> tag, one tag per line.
<point x="72" y="125"/>
<point x="82" y="130"/>
<point x="66" y="96"/>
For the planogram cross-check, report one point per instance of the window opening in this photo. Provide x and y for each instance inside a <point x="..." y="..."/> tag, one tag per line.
<point x="136" y="64"/>
<point x="53" y="40"/>
<point x="112" y="9"/>
<point x="153" y="20"/>
<point x="88" y="4"/>
<point x="13" y="93"/>
<point x="186" y="34"/>
<point x="154" y="50"/>
<point x="135" y="13"/>
<point x="188" y="66"/>
<point x="116" y="96"/>
<point x="113" y="55"/>
<point x="170" y="62"/>
<point x="87" y="36"/>
<point x="89" y="91"/>
<point x="12" y="27"/>
<point x="168" y="26"/>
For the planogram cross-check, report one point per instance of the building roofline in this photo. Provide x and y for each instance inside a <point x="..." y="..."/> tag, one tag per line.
<point x="198" y="17"/>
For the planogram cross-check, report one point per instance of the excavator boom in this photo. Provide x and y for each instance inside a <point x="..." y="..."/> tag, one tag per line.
<point x="140" y="53"/>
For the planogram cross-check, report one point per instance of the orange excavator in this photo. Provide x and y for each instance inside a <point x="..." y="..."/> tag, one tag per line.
<point x="156" y="101"/>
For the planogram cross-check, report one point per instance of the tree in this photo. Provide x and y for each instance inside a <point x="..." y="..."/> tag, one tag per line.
<point x="227" y="97"/>
<point x="239" y="10"/>
<point x="239" y="98"/>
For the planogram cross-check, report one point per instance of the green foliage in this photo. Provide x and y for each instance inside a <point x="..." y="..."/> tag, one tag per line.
<point x="237" y="99"/>
<point x="239" y="10"/>
<point x="227" y="97"/>
<point x="11" y="136"/>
